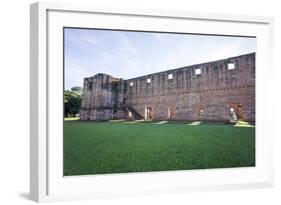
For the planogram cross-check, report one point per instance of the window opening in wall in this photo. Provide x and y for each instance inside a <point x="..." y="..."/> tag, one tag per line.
<point x="170" y="76"/>
<point x="148" y="80"/>
<point x="231" y="66"/>
<point x="90" y="85"/>
<point x="198" y="71"/>
<point x="131" y="84"/>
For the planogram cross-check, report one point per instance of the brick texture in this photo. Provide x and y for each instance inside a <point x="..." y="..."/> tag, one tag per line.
<point x="206" y="96"/>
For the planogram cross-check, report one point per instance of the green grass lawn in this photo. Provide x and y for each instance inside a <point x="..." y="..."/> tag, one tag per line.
<point x="115" y="147"/>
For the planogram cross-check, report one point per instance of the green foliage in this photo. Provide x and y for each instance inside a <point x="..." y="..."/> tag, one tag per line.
<point x="72" y="102"/>
<point x="118" y="147"/>
<point x="77" y="89"/>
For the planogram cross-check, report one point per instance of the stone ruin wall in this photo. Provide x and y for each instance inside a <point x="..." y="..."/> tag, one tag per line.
<point x="102" y="98"/>
<point x="214" y="91"/>
<point x="183" y="97"/>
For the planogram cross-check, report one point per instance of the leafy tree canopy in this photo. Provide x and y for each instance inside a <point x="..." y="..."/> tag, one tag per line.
<point x="77" y="89"/>
<point x="72" y="101"/>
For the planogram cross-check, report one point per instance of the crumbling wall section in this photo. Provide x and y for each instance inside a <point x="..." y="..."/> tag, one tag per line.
<point x="206" y="95"/>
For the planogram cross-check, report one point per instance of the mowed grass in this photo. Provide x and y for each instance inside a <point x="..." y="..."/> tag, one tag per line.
<point x="120" y="147"/>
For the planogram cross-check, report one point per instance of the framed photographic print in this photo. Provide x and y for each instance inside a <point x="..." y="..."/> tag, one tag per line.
<point x="128" y="102"/>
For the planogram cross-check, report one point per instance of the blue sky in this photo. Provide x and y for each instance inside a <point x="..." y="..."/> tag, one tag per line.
<point x="128" y="54"/>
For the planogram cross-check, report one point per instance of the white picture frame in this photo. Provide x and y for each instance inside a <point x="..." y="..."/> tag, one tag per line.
<point x="46" y="179"/>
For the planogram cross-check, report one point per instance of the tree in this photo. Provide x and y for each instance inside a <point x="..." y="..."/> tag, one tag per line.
<point x="77" y="89"/>
<point x="72" y="101"/>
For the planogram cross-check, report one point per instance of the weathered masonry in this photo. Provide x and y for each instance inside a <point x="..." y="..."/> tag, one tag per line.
<point x="204" y="92"/>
